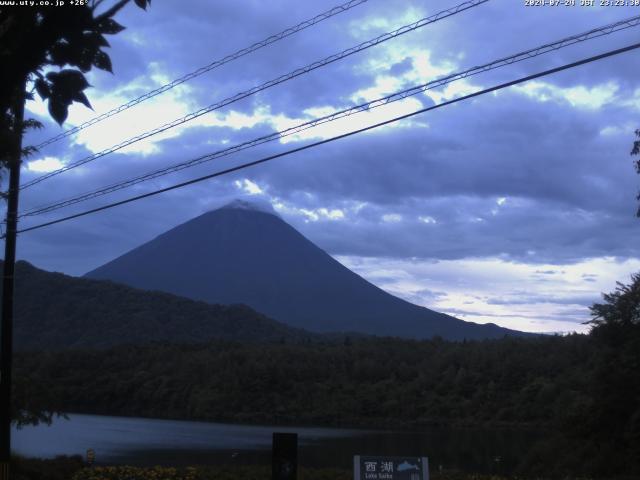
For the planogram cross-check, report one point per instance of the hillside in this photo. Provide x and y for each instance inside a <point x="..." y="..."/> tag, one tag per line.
<point x="242" y="254"/>
<point x="561" y="386"/>
<point x="368" y="383"/>
<point x="55" y="311"/>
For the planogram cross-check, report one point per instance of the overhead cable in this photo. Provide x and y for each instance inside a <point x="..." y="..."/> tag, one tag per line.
<point x="337" y="137"/>
<point x="207" y="68"/>
<point x="271" y="83"/>
<point x="518" y="57"/>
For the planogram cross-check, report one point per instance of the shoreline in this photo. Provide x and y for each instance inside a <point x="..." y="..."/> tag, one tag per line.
<point x="390" y="426"/>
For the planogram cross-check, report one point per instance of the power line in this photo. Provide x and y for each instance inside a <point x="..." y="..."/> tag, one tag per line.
<point x="338" y="137"/>
<point x="207" y="68"/>
<point x="271" y="83"/>
<point x="531" y="53"/>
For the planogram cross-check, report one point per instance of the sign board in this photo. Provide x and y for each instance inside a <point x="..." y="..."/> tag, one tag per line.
<point x="91" y="456"/>
<point x="390" y="468"/>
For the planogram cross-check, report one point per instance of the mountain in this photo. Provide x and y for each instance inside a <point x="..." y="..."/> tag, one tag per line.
<point x="54" y="311"/>
<point x="243" y="254"/>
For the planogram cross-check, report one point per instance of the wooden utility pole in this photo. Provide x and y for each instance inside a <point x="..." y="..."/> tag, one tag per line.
<point x="6" y="327"/>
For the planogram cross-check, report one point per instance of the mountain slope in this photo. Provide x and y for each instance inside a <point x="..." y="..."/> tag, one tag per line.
<point x="238" y="254"/>
<point x="54" y="311"/>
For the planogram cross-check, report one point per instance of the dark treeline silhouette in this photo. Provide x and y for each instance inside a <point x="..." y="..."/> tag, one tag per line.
<point x="609" y="421"/>
<point x="543" y="383"/>
<point x="582" y="390"/>
<point x="578" y="388"/>
<point x="372" y="382"/>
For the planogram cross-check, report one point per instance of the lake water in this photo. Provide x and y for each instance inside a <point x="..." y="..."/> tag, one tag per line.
<point x="138" y="441"/>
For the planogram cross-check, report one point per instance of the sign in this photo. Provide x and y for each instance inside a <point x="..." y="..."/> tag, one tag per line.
<point x="91" y="456"/>
<point x="390" y="468"/>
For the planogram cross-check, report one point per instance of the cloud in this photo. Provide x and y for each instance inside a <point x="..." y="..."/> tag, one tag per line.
<point x="579" y="96"/>
<point x="525" y="298"/>
<point x="493" y="290"/>
<point x="247" y="186"/>
<point x="45" y="164"/>
<point x="534" y="179"/>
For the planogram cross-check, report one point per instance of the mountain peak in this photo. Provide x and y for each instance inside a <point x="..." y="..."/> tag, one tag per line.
<point x="232" y="256"/>
<point x="242" y="204"/>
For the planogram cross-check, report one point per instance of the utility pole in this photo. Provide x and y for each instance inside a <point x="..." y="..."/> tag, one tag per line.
<point x="6" y="328"/>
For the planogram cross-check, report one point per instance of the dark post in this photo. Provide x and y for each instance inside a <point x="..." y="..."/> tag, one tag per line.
<point x="6" y="329"/>
<point x="284" y="462"/>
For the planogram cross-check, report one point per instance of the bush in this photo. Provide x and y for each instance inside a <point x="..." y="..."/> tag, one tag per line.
<point x="59" y="468"/>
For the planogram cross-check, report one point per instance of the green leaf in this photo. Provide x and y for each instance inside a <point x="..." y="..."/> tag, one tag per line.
<point x="66" y="87"/>
<point x="28" y="151"/>
<point x="109" y="26"/>
<point x="60" y="54"/>
<point x="32" y="123"/>
<point x="100" y="40"/>
<point x="102" y="61"/>
<point x="42" y="87"/>
<point x="58" y="110"/>
<point x="82" y="98"/>
<point x="71" y="81"/>
<point x="85" y="60"/>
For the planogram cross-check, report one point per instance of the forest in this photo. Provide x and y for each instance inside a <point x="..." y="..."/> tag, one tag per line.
<point x="379" y="382"/>
<point x="583" y="390"/>
<point x="54" y="311"/>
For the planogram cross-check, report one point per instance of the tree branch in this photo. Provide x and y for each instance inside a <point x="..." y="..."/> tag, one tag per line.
<point x="113" y="10"/>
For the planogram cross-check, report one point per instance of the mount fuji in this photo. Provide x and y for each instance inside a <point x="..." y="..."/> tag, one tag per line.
<point x="246" y="254"/>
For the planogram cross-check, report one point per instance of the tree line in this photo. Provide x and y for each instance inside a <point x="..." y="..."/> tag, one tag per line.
<point x="583" y="390"/>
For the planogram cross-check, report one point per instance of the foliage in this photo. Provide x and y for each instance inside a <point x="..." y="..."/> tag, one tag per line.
<point x="622" y="307"/>
<point x="256" y="472"/>
<point x="610" y="428"/>
<point x="554" y="383"/>
<point x="50" y="48"/>
<point x="244" y="473"/>
<point x="31" y="404"/>
<point x="39" y="37"/>
<point x="370" y="382"/>
<point x="58" y="468"/>
<point x="135" y="473"/>
<point x="73" y="468"/>
<point x="636" y="151"/>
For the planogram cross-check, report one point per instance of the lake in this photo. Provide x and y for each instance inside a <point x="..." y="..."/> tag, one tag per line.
<point x="140" y="441"/>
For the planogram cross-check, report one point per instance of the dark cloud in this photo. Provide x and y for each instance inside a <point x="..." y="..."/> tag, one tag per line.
<point x="571" y="316"/>
<point x="590" y="277"/>
<point x="420" y="297"/>
<point x="525" y="298"/>
<point x="568" y="188"/>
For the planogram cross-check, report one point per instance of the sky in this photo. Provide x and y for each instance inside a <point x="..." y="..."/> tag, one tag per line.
<point x="516" y="207"/>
